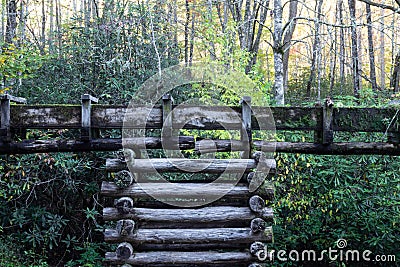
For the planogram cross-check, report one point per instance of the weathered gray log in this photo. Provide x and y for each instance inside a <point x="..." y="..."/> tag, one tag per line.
<point x="257" y="204"/>
<point x="124" y="178"/>
<point x="255" y="265"/>
<point x="125" y="227"/>
<point x="45" y="146"/>
<point x="195" y="191"/>
<point x="172" y="258"/>
<point x="151" y="203"/>
<point x="123" y="205"/>
<point x="219" y="216"/>
<point x="345" y="148"/>
<point x="124" y="251"/>
<point x="340" y="148"/>
<point x="258" y="225"/>
<point x="212" y="236"/>
<point x="112" y="117"/>
<point x="256" y="247"/>
<point x="188" y="165"/>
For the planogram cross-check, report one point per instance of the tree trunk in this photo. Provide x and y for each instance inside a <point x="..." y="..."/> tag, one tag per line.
<point x="287" y="39"/>
<point x="371" y="50"/>
<point x="213" y="55"/>
<point x="11" y="27"/>
<point x="51" y="26"/>
<point x="382" y="49"/>
<point x="342" y="47"/>
<point x="316" y="48"/>
<point x="279" y="89"/>
<point x="247" y="30"/>
<point x="354" y="49"/>
<point x="187" y="20"/>
<point x="3" y="19"/>
<point x="192" y="35"/>
<point x="43" y="37"/>
<point x="333" y="53"/>
<point x="394" y="81"/>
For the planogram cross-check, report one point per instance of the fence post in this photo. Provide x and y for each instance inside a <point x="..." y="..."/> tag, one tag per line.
<point x="245" y="132"/>
<point x="86" y="131"/>
<point x="5" y="100"/>
<point x="325" y="135"/>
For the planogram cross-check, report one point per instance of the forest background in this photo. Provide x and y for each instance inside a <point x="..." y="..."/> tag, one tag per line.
<point x="297" y="53"/>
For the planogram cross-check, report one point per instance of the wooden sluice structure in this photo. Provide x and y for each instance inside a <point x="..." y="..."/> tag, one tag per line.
<point x="164" y="227"/>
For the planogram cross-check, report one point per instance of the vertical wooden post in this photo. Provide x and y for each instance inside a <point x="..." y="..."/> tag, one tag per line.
<point x="245" y="133"/>
<point x="86" y="131"/>
<point x="5" y="101"/>
<point x="325" y="135"/>
<point x="167" y="102"/>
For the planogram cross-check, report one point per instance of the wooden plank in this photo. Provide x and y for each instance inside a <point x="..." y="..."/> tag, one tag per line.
<point x="187" y="165"/>
<point x="344" y="148"/>
<point x="46" y="116"/>
<point x="339" y="148"/>
<point x="185" y="191"/>
<point x="14" y="99"/>
<point x="210" y="236"/>
<point x="196" y="218"/>
<point x="364" y="119"/>
<point x="286" y="118"/>
<point x="175" y="258"/>
<point x="116" y="117"/>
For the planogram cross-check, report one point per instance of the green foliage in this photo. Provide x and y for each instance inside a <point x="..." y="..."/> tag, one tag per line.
<point x="18" y="63"/>
<point x="48" y="202"/>
<point x="321" y="199"/>
<point x="89" y="256"/>
<point x="109" y="60"/>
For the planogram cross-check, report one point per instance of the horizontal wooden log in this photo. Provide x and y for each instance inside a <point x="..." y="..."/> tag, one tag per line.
<point x="124" y="251"/>
<point x="188" y="165"/>
<point x="212" y="236"/>
<point x="179" y="258"/>
<point x="150" y="203"/>
<point x="344" y="148"/>
<point x="340" y="148"/>
<point x="257" y="204"/>
<point x="185" y="191"/>
<point x="284" y="118"/>
<point x="220" y="216"/>
<point x="125" y="227"/>
<point x="46" y="146"/>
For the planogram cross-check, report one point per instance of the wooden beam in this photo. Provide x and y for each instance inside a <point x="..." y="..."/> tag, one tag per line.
<point x="185" y="191"/>
<point x="175" y="258"/>
<point x="339" y="148"/>
<point x="214" y="236"/>
<point x="286" y="118"/>
<point x="188" y="165"/>
<point x="219" y="216"/>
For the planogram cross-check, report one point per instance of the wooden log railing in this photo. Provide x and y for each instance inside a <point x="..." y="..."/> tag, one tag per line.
<point x="227" y="232"/>
<point x="91" y="117"/>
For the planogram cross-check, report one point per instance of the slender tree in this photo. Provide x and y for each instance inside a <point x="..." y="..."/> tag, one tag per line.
<point x="354" y="49"/>
<point x="287" y="39"/>
<point x="279" y="89"/>
<point x="316" y="50"/>
<point x="342" y="49"/>
<point x="11" y="28"/>
<point x="250" y="21"/>
<point x="371" y="49"/>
